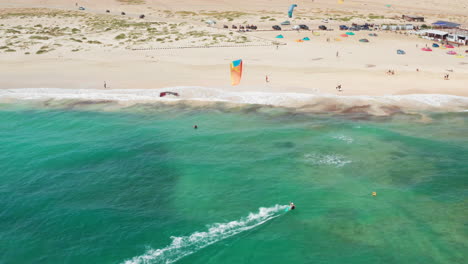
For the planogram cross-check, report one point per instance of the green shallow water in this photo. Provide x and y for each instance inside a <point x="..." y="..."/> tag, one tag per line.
<point x="140" y="185"/>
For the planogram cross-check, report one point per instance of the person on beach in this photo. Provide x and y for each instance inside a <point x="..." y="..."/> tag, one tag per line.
<point x="105" y="84"/>
<point x="266" y="79"/>
<point x="338" y="87"/>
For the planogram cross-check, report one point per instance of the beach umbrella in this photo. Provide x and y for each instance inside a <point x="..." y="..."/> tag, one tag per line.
<point x="451" y="52"/>
<point x="401" y="52"/>
<point x="364" y="40"/>
<point x="306" y="39"/>
<point x="449" y="46"/>
<point x="426" y="49"/>
<point x="344" y="35"/>
<point x="435" y="45"/>
<point x="350" y="33"/>
<point x="210" y="22"/>
<point x="279" y="36"/>
<point x="299" y="40"/>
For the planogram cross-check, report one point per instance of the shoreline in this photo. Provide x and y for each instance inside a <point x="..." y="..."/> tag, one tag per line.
<point x="206" y="97"/>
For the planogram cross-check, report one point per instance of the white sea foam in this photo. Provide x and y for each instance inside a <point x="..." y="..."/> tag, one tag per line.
<point x="186" y="245"/>
<point x="344" y="138"/>
<point x="332" y="159"/>
<point x="211" y="94"/>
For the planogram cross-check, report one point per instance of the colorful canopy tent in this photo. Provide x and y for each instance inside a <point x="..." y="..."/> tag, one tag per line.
<point x="299" y="40"/>
<point x="344" y="35"/>
<point x="435" y="45"/>
<point x="445" y="24"/>
<point x="401" y="52"/>
<point x="451" y="52"/>
<point x="291" y="10"/>
<point x="364" y="40"/>
<point x="388" y="5"/>
<point x="350" y="33"/>
<point x="306" y="39"/>
<point x="236" y="72"/>
<point x="449" y="46"/>
<point x="426" y="49"/>
<point x="279" y="36"/>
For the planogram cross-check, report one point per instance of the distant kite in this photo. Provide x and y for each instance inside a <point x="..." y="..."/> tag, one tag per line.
<point x="291" y="9"/>
<point x="236" y="72"/>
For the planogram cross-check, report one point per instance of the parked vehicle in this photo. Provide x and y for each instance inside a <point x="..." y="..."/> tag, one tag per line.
<point x="354" y="28"/>
<point x="81" y="8"/>
<point x="286" y="23"/>
<point x="276" y="27"/>
<point x="324" y="20"/>
<point x="343" y="27"/>
<point x="142" y="16"/>
<point x="322" y="27"/>
<point x="123" y="13"/>
<point x="304" y="27"/>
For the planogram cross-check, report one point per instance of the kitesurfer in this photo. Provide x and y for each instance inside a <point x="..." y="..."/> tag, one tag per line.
<point x="292" y="206"/>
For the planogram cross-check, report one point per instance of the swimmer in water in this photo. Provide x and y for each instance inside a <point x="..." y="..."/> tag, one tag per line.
<point x="292" y="206"/>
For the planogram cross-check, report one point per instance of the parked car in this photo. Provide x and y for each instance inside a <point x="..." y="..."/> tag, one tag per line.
<point x="343" y="27"/>
<point x="324" y="20"/>
<point x="286" y="23"/>
<point x="354" y="28"/>
<point x="276" y="27"/>
<point x="322" y="27"/>
<point x="304" y="27"/>
<point x="364" y="27"/>
<point x="81" y="8"/>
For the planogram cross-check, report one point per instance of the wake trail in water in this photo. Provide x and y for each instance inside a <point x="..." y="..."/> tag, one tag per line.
<point x="186" y="245"/>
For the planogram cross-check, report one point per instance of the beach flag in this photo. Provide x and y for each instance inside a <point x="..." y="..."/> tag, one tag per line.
<point x="236" y="72"/>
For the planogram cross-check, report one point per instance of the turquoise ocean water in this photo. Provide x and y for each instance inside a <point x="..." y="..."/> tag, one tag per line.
<point x="140" y="185"/>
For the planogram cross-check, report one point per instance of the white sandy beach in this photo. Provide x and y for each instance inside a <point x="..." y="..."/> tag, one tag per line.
<point x="50" y="44"/>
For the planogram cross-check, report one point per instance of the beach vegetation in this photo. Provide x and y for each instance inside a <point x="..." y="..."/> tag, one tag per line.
<point x="39" y="37"/>
<point x="94" y="42"/>
<point x="10" y="50"/>
<point x="186" y="13"/>
<point x="132" y="2"/>
<point x="265" y="17"/>
<point x="121" y="36"/>
<point x="27" y="53"/>
<point x="12" y="31"/>
<point x="38" y="25"/>
<point x="424" y="26"/>
<point x="75" y="50"/>
<point x="3" y="47"/>
<point x="75" y="30"/>
<point x="76" y="40"/>
<point x="272" y="19"/>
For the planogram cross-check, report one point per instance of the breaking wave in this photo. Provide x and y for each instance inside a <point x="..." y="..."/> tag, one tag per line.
<point x="380" y="105"/>
<point x="186" y="245"/>
<point x="317" y="159"/>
